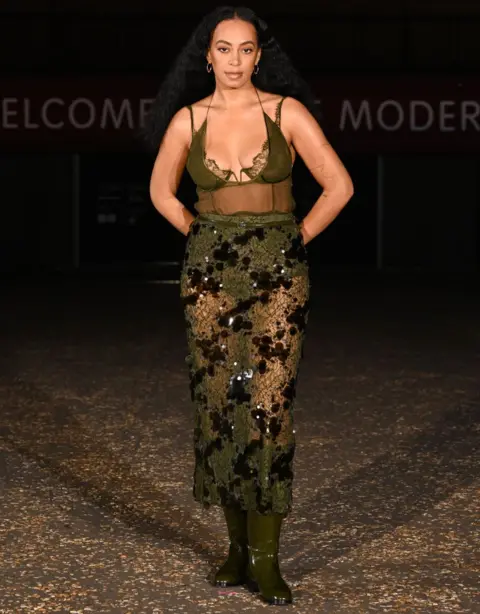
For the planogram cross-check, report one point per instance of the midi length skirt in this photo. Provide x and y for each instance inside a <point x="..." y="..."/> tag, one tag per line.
<point x="245" y="293"/>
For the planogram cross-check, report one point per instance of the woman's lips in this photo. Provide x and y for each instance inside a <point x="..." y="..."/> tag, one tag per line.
<point x="234" y="75"/>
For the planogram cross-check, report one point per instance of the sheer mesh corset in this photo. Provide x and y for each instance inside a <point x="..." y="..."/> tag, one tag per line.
<point x="250" y="197"/>
<point x="269" y="184"/>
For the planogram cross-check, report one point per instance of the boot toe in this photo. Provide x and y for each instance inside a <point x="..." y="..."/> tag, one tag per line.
<point x="252" y="584"/>
<point x="231" y="574"/>
<point x="277" y="596"/>
<point x="225" y="583"/>
<point x="223" y="578"/>
<point x="281" y="601"/>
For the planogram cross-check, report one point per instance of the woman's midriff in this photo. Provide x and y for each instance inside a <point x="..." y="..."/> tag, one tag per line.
<point x="249" y="197"/>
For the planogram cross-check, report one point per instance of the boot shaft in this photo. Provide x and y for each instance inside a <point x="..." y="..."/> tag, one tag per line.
<point x="264" y="531"/>
<point x="263" y="565"/>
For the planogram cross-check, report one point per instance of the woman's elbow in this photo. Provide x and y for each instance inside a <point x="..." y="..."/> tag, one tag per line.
<point x="157" y="190"/>
<point x="350" y="191"/>
<point x="153" y="192"/>
<point x="157" y="195"/>
<point x="347" y="188"/>
<point x="154" y="196"/>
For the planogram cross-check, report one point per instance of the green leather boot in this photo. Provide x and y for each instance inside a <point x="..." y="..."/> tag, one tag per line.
<point x="263" y="567"/>
<point x="234" y="571"/>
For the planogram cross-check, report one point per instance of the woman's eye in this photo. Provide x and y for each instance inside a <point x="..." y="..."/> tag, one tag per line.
<point x="223" y="49"/>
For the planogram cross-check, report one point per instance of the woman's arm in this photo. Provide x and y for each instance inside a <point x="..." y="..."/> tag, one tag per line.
<point x="321" y="160"/>
<point x="168" y="169"/>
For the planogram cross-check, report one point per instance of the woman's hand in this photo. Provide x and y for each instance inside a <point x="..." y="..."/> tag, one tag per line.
<point x="305" y="238"/>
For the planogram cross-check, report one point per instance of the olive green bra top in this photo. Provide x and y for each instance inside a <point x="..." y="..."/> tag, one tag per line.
<point x="269" y="184"/>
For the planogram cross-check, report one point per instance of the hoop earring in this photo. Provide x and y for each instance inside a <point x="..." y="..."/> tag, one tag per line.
<point x="256" y="69"/>
<point x="209" y="67"/>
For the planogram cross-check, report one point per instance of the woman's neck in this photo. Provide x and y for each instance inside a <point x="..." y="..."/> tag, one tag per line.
<point x="229" y="98"/>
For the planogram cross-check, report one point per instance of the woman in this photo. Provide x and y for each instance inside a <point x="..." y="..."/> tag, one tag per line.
<point x="234" y="112"/>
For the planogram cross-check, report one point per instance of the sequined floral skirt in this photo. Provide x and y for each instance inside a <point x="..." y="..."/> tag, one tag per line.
<point x="245" y="293"/>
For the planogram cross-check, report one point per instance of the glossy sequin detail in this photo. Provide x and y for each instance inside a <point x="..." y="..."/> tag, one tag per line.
<point x="245" y="291"/>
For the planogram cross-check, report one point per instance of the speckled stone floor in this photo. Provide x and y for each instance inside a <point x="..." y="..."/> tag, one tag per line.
<point x="96" y="512"/>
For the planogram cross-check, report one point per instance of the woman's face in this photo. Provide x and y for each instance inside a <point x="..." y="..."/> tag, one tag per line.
<point x="234" y="52"/>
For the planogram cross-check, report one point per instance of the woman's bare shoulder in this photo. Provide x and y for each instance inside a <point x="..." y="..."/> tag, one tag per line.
<point x="271" y="102"/>
<point x="293" y="106"/>
<point x="295" y="113"/>
<point x="199" y="110"/>
<point x="203" y="103"/>
<point x="180" y="127"/>
<point x="269" y="98"/>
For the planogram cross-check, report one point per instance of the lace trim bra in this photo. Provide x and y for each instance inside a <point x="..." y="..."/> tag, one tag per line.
<point x="259" y="161"/>
<point x="273" y="163"/>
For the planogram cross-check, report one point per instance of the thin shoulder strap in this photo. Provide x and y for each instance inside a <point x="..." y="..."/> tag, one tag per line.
<point x="189" y="107"/>
<point x="192" y="122"/>
<point x="261" y="105"/>
<point x="209" y="105"/>
<point x="278" y="111"/>
<point x="265" y="115"/>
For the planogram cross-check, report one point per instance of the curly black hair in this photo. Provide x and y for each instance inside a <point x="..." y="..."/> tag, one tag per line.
<point x="188" y="81"/>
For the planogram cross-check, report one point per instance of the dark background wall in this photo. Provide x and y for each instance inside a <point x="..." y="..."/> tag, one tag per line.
<point x="329" y="36"/>
<point x="66" y="206"/>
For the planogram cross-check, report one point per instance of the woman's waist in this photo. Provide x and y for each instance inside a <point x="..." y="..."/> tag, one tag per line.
<point x="249" y="197"/>
<point x="248" y="218"/>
